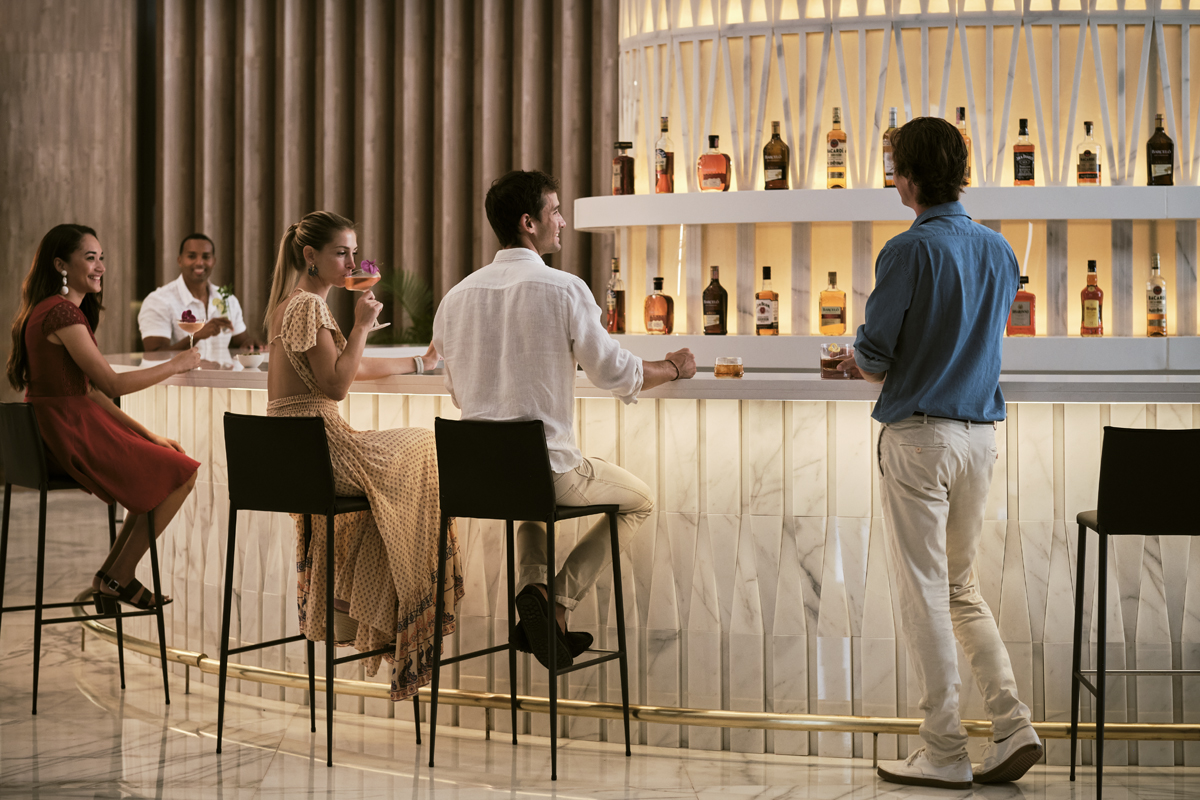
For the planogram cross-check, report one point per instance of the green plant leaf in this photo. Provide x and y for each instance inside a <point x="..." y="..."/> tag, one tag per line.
<point x="415" y="297"/>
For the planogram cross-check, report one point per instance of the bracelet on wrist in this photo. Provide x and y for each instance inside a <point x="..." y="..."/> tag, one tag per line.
<point x="672" y="363"/>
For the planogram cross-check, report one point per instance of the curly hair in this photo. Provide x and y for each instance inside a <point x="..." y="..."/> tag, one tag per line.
<point x="931" y="153"/>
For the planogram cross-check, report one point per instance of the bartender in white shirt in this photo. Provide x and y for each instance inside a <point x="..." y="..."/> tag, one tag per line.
<point x="193" y="291"/>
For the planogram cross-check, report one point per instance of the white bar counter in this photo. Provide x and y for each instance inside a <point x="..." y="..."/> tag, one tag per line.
<point x="761" y="580"/>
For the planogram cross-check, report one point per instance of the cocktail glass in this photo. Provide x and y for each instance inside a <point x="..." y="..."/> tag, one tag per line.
<point x="191" y="329"/>
<point x="360" y="281"/>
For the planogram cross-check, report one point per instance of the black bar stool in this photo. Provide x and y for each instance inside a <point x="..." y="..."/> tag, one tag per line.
<point x="1123" y="511"/>
<point x="24" y="457"/>
<point x="501" y="470"/>
<point x="282" y="464"/>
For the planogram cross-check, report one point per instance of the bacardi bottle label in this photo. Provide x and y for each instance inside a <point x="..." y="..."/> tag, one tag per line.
<point x="832" y="315"/>
<point x="1023" y="166"/>
<point x="1021" y="314"/>
<point x="766" y="313"/>
<point x="1156" y="303"/>
<point x="835" y="159"/>
<point x="1091" y="313"/>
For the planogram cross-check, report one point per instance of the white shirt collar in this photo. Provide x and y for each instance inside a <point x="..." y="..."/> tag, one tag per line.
<point x="515" y="254"/>
<point x="185" y="294"/>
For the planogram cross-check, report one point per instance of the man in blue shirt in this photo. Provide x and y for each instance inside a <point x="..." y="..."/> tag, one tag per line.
<point x="933" y="334"/>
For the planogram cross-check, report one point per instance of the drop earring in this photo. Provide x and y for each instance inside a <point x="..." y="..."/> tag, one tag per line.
<point x="312" y="271"/>
<point x="64" y="288"/>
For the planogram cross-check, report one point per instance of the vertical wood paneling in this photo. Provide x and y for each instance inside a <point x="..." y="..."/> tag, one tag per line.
<point x="1122" y="279"/>
<point x="495" y="115"/>
<point x="176" y="133"/>
<point x="573" y="149"/>
<point x="452" y="248"/>
<point x="215" y="120"/>
<point x="295" y="110"/>
<point x="413" y="167"/>
<point x="374" y="136"/>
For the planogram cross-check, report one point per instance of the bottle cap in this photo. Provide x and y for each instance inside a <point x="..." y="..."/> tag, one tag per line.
<point x="766" y="273"/>
<point x="714" y="272"/>
<point x="833" y="278"/>
<point x="1024" y="123"/>
<point x="714" y="141"/>
<point x="1091" y="265"/>
<point x="658" y="284"/>
<point x="616" y="264"/>
<point x="623" y="145"/>
<point x="664" y="122"/>
<point x="1024" y="279"/>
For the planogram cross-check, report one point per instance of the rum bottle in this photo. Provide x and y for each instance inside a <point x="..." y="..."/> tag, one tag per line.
<point x="1023" y="157"/>
<point x="615" y="300"/>
<point x="1092" y="298"/>
<point x="1156" y="301"/>
<point x="1022" y="316"/>
<point x="712" y="169"/>
<point x="622" y="169"/>
<point x="766" y="308"/>
<point x="776" y="156"/>
<point x="660" y="311"/>
<point x="889" y="167"/>
<point x="1160" y="156"/>
<point x="835" y="154"/>
<point x="833" y="309"/>
<point x="716" y="307"/>
<point x="961" y="120"/>
<point x="664" y="163"/>
<point x="1087" y="165"/>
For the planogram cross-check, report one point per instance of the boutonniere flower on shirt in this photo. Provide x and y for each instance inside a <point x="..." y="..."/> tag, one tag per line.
<point x="221" y="303"/>
<point x="368" y="267"/>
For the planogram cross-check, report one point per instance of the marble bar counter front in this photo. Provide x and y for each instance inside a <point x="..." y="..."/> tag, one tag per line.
<point x="761" y="581"/>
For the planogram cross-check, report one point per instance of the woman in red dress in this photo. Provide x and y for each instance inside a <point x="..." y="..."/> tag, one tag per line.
<point x="56" y="361"/>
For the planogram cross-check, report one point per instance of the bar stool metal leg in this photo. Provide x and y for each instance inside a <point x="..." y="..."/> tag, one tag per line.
<point x="120" y="644"/>
<point x="552" y="648"/>
<point x="1077" y="638"/>
<point x="37" y="601"/>
<point x="226" y="610"/>
<point x="330" y="643"/>
<point x="417" y="716"/>
<point x="618" y="596"/>
<point x="4" y="544"/>
<point x="439" y="604"/>
<point x="310" y="645"/>
<point x="512" y="626"/>
<point x="158" y="606"/>
<point x="1101" y="658"/>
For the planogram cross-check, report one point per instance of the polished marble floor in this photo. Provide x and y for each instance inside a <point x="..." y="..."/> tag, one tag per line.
<point x="92" y="740"/>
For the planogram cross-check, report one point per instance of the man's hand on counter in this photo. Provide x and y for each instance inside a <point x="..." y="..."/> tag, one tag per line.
<point x="677" y="366"/>
<point x="851" y="368"/>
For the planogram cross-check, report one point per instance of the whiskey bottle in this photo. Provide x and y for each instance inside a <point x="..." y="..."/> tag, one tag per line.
<point x="664" y="162"/>
<point x="1087" y="166"/>
<point x="1156" y="301"/>
<point x="961" y="120"/>
<point x="776" y="156"/>
<point x="1022" y="316"/>
<point x="1023" y="157"/>
<point x="766" y="308"/>
<point x="622" y="169"/>
<point x="615" y="300"/>
<point x="889" y="167"/>
<point x="1160" y="156"/>
<point x="660" y="311"/>
<point x="712" y="169"/>
<point x="716" y="307"/>
<point x="835" y="154"/>
<point x="833" y="309"/>
<point x="1092" y="298"/>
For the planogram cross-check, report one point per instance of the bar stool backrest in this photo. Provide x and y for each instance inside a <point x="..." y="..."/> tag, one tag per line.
<point x="21" y="448"/>
<point x="1146" y="478"/>
<point x="494" y="470"/>
<point x="278" y="464"/>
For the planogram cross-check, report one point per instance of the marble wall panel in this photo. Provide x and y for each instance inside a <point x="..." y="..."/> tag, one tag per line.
<point x="761" y="581"/>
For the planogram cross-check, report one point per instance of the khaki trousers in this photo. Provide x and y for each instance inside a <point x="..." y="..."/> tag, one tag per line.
<point x="593" y="482"/>
<point x="935" y="476"/>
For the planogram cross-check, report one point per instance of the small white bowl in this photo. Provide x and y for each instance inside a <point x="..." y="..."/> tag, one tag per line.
<point x="250" y="360"/>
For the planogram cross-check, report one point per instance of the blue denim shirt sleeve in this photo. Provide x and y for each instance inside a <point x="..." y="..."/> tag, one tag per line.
<point x="875" y="346"/>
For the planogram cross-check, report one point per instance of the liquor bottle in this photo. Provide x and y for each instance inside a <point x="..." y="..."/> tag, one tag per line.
<point x="1022" y="317"/>
<point x="622" y="169"/>
<point x="961" y="120"/>
<point x="1087" y="166"/>
<point x="1160" y="156"/>
<point x="716" y="307"/>
<point x="766" y="308"/>
<point x="664" y="162"/>
<point x="1092" y="297"/>
<point x="712" y="169"/>
<point x="616" y="300"/>
<point x="776" y="156"/>
<point x="833" y="309"/>
<point x="889" y="168"/>
<point x="835" y="154"/>
<point x="660" y="311"/>
<point x="1156" y="301"/>
<point x="1023" y="157"/>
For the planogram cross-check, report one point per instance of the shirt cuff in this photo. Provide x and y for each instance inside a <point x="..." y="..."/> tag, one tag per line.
<point x="638" y="379"/>
<point x="149" y="332"/>
<point x="871" y="365"/>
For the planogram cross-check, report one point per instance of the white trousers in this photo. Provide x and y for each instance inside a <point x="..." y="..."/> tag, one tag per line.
<point x="593" y="482"/>
<point x="935" y="476"/>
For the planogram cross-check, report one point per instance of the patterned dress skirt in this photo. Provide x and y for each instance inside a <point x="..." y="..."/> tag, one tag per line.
<point x="385" y="558"/>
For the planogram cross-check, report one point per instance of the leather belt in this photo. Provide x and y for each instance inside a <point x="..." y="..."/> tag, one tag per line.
<point x="967" y="422"/>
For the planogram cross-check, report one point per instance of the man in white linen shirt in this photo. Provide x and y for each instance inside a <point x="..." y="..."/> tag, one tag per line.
<point x="192" y="290"/>
<point x="511" y="334"/>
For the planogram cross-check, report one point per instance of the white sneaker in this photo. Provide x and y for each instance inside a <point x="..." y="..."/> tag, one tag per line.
<point x="917" y="770"/>
<point x="1011" y="758"/>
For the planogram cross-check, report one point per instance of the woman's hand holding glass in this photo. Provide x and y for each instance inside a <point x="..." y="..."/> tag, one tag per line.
<point x="187" y="360"/>
<point x="366" y="311"/>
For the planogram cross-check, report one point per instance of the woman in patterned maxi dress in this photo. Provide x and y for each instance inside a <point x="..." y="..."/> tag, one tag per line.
<point x="385" y="558"/>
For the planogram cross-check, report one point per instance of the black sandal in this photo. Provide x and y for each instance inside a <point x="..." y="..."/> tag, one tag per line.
<point x="107" y="603"/>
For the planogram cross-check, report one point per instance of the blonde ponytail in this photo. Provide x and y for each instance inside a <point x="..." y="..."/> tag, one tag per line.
<point x="315" y="230"/>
